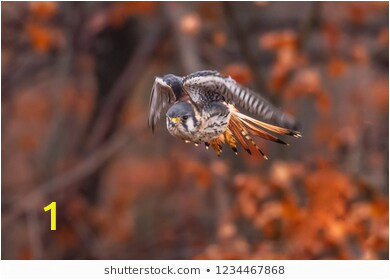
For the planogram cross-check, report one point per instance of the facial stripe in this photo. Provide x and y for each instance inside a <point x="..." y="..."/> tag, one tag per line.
<point x="190" y="124"/>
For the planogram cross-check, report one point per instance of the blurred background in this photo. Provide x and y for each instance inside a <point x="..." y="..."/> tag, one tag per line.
<point x="76" y="79"/>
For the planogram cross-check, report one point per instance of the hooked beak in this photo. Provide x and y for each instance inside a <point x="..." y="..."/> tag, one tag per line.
<point x="173" y="122"/>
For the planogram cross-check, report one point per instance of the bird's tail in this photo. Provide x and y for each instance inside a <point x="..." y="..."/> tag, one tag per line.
<point x="241" y="129"/>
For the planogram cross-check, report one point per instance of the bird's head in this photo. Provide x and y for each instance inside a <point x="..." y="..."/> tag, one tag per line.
<point x="181" y="119"/>
<point x="175" y="82"/>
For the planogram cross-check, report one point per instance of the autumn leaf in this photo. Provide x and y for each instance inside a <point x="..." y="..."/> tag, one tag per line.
<point x="278" y="39"/>
<point x="190" y="24"/>
<point x="383" y="37"/>
<point x="121" y="11"/>
<point x="219" y="39"/>
<point x="44" y="10"/>
<point x="239" y="72"/>
<point x="337" y="67"/>
<point x="44" y="38"/>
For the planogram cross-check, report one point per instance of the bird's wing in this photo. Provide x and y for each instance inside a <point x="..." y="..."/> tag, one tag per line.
<point x="161" y="95"/>
<point x="212" y="83"/>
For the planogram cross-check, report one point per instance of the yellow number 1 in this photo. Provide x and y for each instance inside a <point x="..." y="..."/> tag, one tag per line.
<point x="52" y="207"/>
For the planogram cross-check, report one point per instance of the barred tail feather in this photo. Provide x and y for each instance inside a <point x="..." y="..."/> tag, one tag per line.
<point x="262" y="133"/>
<point x="268" y="126"/>
<point x="242" y="127"/>
<point x="241" y="133"/>
<point x="235" y="126"/>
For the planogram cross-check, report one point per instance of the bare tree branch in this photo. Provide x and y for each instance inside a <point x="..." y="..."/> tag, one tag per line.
<point x="34" y="230"/>
<point x="130" y="75"/>
<point x="242" y="38"/>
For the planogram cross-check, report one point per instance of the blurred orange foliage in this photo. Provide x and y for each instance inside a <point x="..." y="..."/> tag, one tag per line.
<point x="278" y="40"/>
<point x="190" y="24"/>
<point x="76" y="73"/>
<point x="219" y="39"/>
<point x="43" y="38"/>
<point x="336" y="67"/>
<point x="239" y="72"/>
<point x="43" y="10"/>
<point x="121" y="11"/>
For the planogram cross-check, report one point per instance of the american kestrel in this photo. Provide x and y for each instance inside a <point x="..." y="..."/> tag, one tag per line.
<point x="204" y="111"/>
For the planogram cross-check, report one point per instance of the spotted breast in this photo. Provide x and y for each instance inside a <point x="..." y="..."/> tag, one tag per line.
<point x="215" y="120"/>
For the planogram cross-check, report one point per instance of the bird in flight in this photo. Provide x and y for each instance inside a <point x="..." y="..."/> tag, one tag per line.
<point x="204" y="111"/>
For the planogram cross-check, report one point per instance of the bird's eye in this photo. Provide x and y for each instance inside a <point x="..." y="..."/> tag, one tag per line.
<point x="184" y="117"/>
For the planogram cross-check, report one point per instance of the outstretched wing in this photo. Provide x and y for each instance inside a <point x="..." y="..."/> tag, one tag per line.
<point x="161" y="95"/>
<point x="212" y="83"/>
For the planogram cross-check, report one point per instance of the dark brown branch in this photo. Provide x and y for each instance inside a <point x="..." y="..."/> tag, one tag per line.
<point x="307" y="26"/>
<point x="126" y="81"/>
<point x="242" y="38"/>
